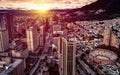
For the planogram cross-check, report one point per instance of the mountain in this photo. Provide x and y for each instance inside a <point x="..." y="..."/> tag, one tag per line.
<point x="108" y="5"/>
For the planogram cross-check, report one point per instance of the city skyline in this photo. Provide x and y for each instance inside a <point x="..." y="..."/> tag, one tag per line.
<point x="59" y="37"/>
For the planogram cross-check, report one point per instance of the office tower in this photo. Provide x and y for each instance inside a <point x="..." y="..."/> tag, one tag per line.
<point x="6" y="21"/>
<point x="46" y="24"/>
<point x="42" y="36"/>
<point x="106" y="35"/>
<point x="114" y="40"/>
<point x="3" y="22"/>
<point x="67" y="49"/>
<point x="4" y="39"/>
<point x="110" y="38"/>
<point x="10" y="26"/>
<point x="32" y="38"/>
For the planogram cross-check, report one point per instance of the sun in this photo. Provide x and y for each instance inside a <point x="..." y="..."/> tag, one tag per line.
<point x="43" y="7"/>
<point x="37" y="5"/>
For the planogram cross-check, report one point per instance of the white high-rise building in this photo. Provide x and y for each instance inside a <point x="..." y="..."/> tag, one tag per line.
<point x="106" y="35"/>
<point x="68" y="56"/>
<point x="32" y="38"/>
<point x="110" y="38"/>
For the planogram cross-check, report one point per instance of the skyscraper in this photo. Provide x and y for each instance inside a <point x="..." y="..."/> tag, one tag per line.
<point x="42" y="36"/>
<point x="68" y="56"/>
<point x="10" y="26"/>
<point x="32" y="39"/>
<point x="110" y="38"/>
<point x="4" y="39"/>
<point x="106" y="35"/>
<point x="3" y="22"/>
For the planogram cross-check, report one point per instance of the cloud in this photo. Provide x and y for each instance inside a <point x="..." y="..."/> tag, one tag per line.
<point x="40" y="4"/>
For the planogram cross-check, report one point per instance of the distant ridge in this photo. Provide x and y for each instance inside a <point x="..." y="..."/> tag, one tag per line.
<point x="111" y="9"/>
<point x="109" y="5"/>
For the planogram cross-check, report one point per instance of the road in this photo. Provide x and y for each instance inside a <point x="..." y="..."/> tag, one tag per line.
<point x="41" y="57"/>
<point x="81" y="65"/>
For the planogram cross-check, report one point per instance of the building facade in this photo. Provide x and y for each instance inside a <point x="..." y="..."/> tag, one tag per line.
<point x="110" y="38"/>
<point x="32" y="39"/>
<point x="4" y="39"/>
<point x="67" y="56"/>
<point x="42" y="36"/>
<point x="15" y="68"/>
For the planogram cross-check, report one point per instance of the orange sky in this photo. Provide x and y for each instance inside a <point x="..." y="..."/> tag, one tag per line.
<point x="44" y="4"/>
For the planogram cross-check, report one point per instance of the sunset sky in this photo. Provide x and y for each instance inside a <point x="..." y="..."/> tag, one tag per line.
<point x="43" y="4"/>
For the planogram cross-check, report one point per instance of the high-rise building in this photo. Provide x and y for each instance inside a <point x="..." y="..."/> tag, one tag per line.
<point x="110" y="38"/>
<point x="4" y="40"/>
<point x="67" y="50"/>
<point x="6" y="22"/>
<point x="10" y="27"/>
<point x="42" y="36"/>
<point x="114" y="40"/>
<point x="32" y="38"/>
<point x="3" y="22"/>
<point x="46" y="24"/>
<point x="106" y="35"/>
